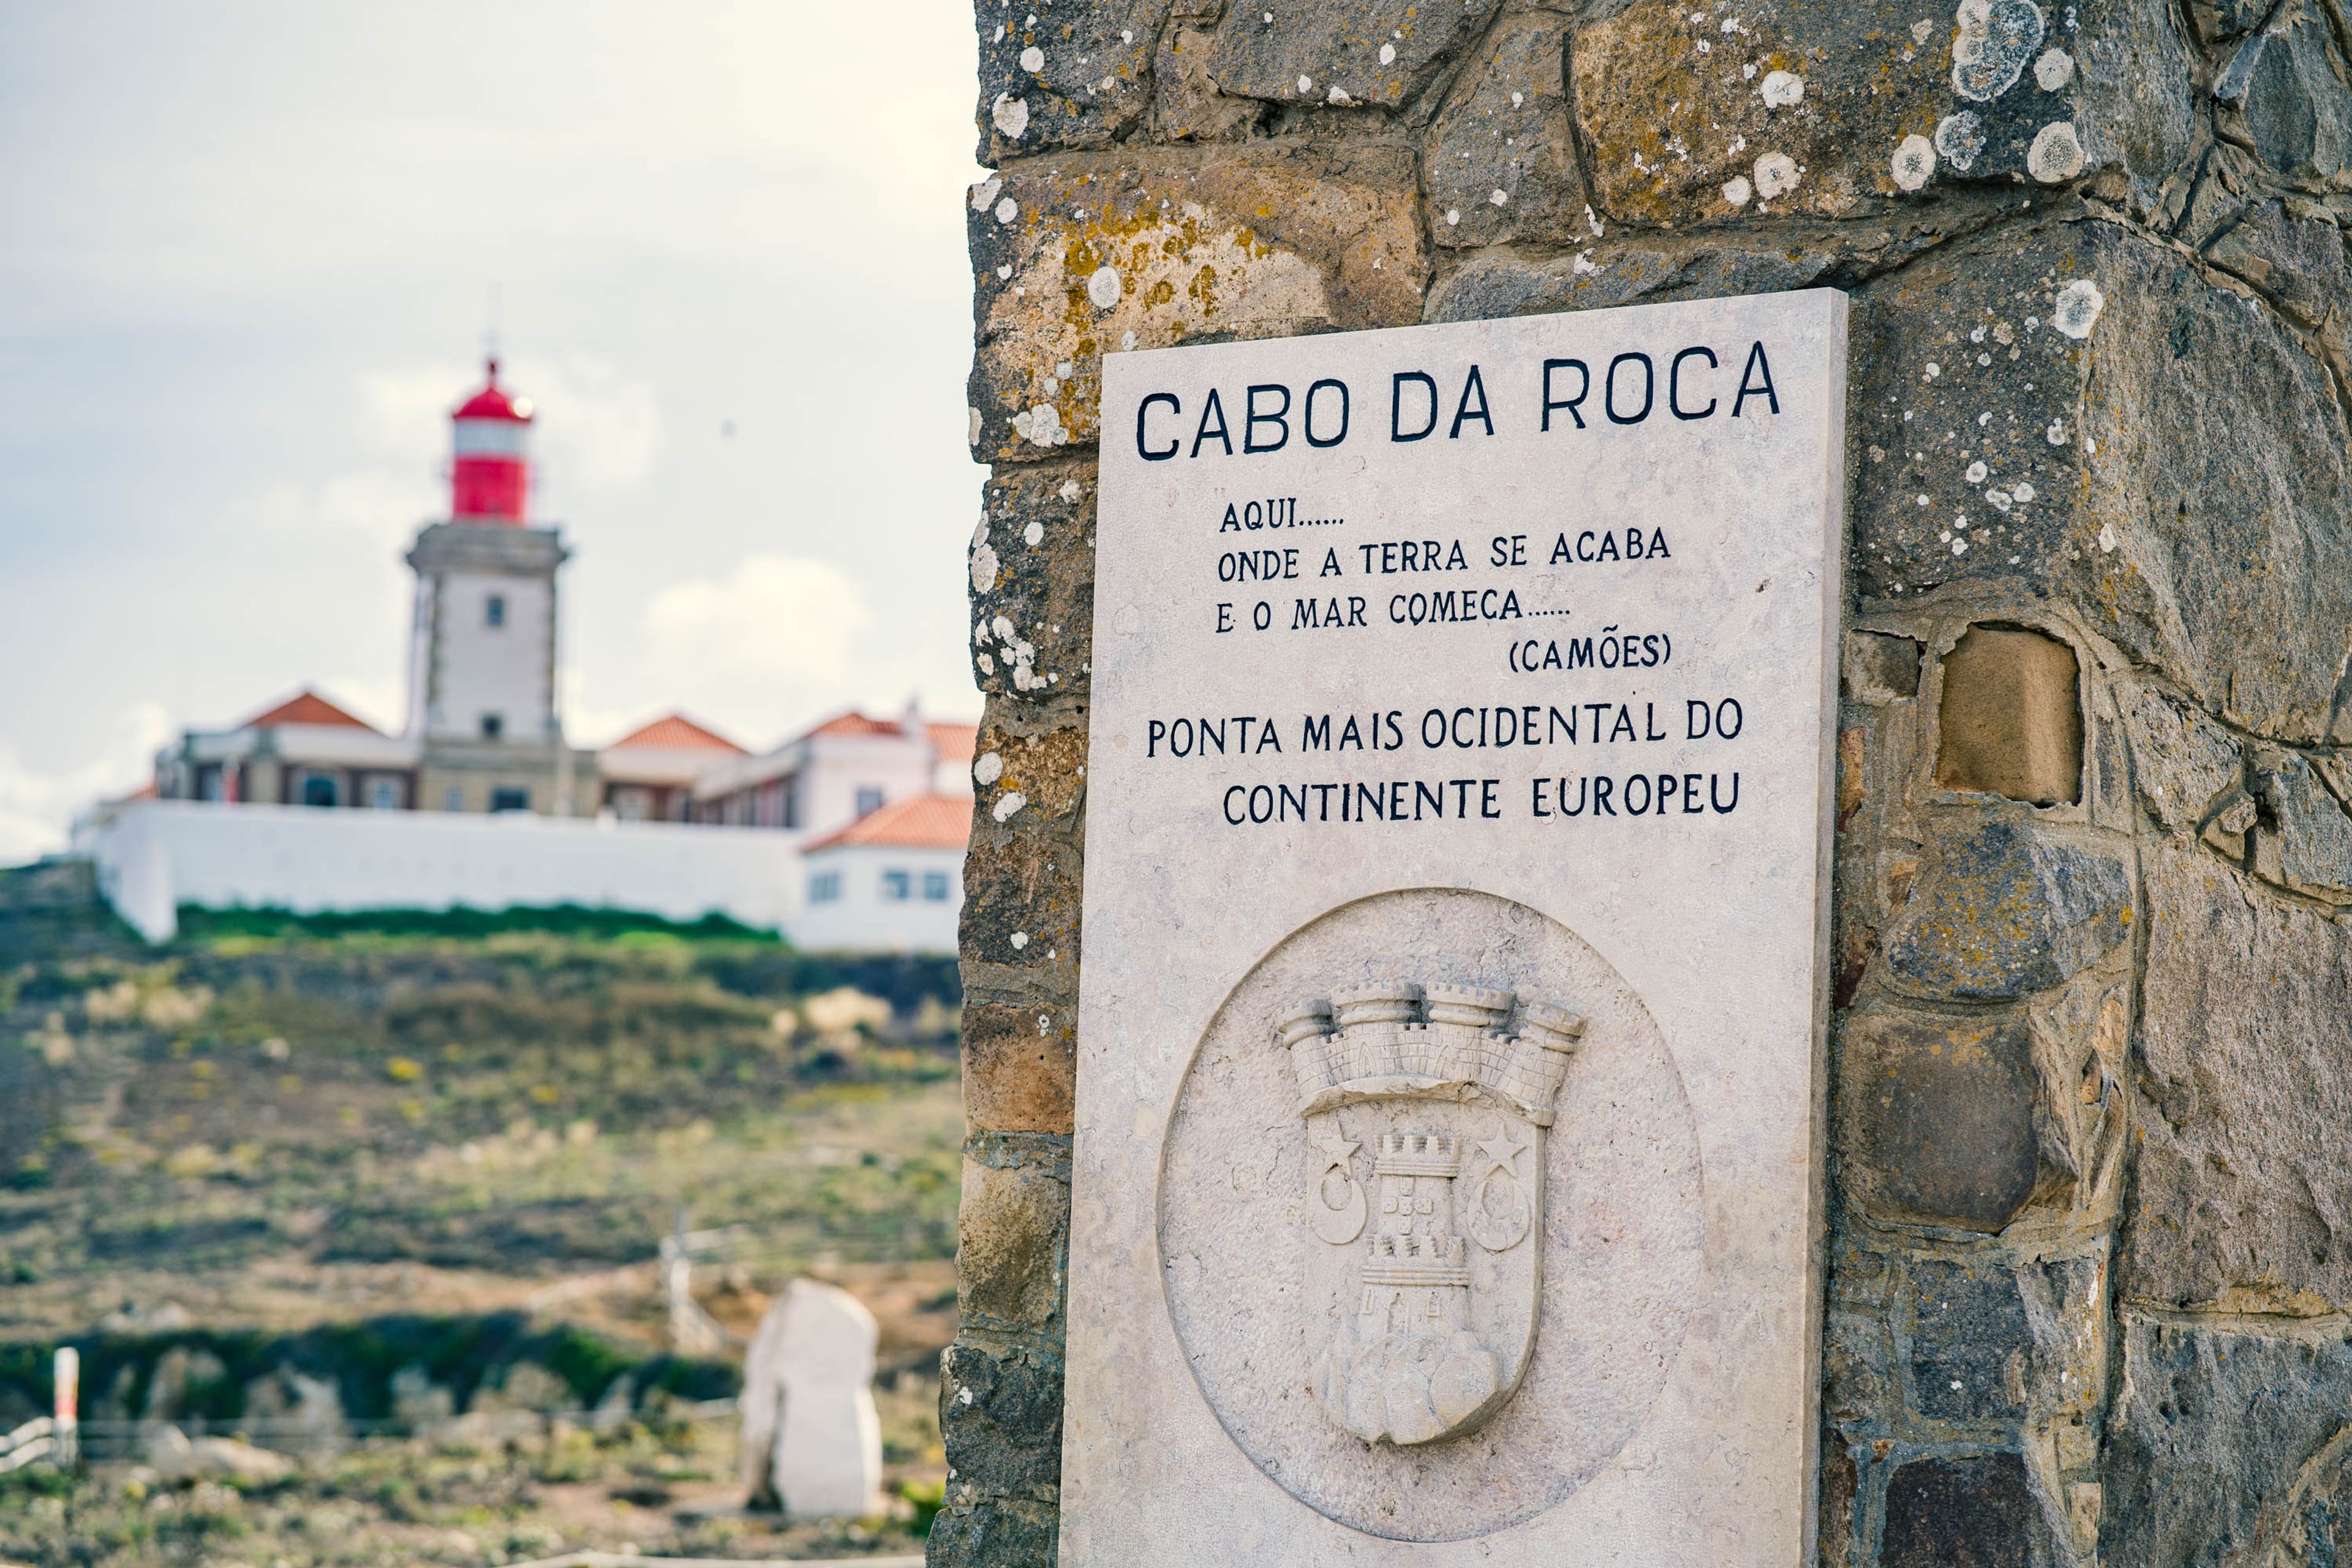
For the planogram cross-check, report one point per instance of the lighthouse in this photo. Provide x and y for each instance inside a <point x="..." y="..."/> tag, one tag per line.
<point x="482" y="664"/>
<point x="489" y="475"/>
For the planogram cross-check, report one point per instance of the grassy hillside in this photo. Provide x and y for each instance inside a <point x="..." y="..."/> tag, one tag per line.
<point x="275" y="1138"/>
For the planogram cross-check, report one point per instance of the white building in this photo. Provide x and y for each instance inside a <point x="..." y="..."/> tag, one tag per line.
<point x="845" y="768"/>
<point x="892" y="879"/>
<point x="649" y="773"/>
<point x="688" y="823"/>
<point x="304" y="751"/>
<point x="483" y="731"/>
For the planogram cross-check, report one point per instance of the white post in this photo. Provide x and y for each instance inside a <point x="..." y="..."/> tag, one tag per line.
<point x="67" y="1407"/>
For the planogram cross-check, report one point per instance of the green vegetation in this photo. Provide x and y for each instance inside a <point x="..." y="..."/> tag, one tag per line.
<point x="562" y="920"/>
<point x="395" y="1504"/>
<point x="438" y="1153"/>
<point x="499" y="1102"/>
<point x="208" y="1376"/>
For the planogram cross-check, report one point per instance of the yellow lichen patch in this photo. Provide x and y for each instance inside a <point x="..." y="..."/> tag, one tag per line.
<point x="1097" y="257"/>
<point x="2263" y="1298"/>
<point x="1177" y="278"/>
<point x="1049" y="770"/>
<point x="1688" y="120"/>
<point x="1671" y="118"/>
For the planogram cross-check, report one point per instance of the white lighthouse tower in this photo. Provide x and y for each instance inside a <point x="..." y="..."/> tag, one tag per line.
<point x="482" y="704"/>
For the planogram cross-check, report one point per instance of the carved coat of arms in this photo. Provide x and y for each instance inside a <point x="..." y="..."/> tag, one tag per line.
<point x="1425" y="1246"/>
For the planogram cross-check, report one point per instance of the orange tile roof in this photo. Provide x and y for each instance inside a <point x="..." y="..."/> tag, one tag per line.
<point x="954" y="743"/>
<point x="676" y="732"/>
<point x="307" y="706"/>
<point x="855" y="723"/>
<point x="918" y="822"/>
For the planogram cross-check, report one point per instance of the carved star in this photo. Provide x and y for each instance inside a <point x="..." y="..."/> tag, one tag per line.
<point x="1504" y="1149"/>
<point x="1336" y="1149"/>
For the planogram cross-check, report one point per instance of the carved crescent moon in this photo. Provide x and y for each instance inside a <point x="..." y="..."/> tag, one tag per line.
<point x="1338" y="1224"/>
<point x="1500" y="1232"/>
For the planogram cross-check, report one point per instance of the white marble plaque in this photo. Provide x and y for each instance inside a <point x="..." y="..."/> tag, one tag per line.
<point x="1447" y="1172"/>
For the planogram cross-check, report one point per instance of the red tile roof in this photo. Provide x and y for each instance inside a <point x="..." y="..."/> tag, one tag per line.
<point x="307" y="706"/>
<point x="677" y="733"/>
<point x="855" y="723"/>
<point x="918" y="822"/>
<point x="954" y="743"/>
<point x="952" y="740"/>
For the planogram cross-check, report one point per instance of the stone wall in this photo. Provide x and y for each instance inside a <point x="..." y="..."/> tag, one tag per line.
<point x="2090" y="1248"/>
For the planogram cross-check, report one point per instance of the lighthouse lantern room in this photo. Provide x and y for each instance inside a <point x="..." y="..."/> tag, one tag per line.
<point x="490" y="482"/>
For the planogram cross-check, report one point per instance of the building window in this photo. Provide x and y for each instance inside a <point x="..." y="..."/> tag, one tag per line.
<point x="825" y="888"/>
<point x="453" y="798"/>
<point x="792" y="800"/>
<point x="869" y="799"/>
<point x="897" y="886"/>
<point x="510" y="797"/>
<point x="383" y="794"/>
<point x="211" y="784"/>
<point x="318" y="789"/>
<point x="935" y="887"/>
<point x="493" y="726"/>
<point x="494" y="613"/>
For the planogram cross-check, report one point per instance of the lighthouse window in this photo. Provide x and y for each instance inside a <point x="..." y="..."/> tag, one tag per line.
<point x="493" y="726"/>
<point x="496" y="611"/>
<point x="487" y="438"/>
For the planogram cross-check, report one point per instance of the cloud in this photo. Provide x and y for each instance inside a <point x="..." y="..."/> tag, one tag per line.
<point x="593" y="724"/>
<point x="38" y="805"/>
<point x="381" y="508"/>
<point x="759" y="642"/>
<point x="404" y="413"/>
<point x="600" y="429"/>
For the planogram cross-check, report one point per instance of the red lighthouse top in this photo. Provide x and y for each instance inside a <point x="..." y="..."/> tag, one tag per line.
<point x="489" y="482"/>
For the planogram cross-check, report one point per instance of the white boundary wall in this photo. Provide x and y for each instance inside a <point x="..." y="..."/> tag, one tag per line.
<point x="154" y="856"/>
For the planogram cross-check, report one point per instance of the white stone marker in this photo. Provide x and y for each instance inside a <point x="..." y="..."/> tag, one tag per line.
<point x="812" y="1439"/>
<point x="1448" y="1172"/>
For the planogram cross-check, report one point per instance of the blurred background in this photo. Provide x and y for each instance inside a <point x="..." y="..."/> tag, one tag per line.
<point x="247" y="259"/>
<point x="464" y="955"/>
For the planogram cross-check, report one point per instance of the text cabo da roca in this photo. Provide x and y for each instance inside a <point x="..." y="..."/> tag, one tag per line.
<point x="1641" y="753"/>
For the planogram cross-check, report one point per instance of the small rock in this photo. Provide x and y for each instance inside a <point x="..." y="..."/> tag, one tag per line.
<point x="1938" y="1119"/>
<point x="2004" y="911"/>
<point x="173" y="1456"/>
<point x="1948" y="1510"/>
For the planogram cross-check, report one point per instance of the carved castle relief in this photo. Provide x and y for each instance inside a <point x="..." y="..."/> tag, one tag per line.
<point x="1432" y="1277"/>
<point x="1429" y="1235"/>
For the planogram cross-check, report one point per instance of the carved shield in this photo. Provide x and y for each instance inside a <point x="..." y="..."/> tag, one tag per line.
<point x="1424" y="1220"/>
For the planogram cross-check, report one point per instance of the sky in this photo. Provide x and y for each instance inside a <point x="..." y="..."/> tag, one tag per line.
<point x="248" y="257"/>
